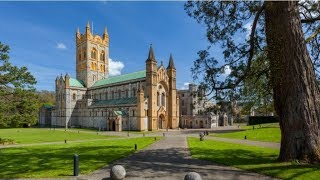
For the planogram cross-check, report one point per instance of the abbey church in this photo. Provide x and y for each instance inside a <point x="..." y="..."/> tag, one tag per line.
<point x="142" y="100"/>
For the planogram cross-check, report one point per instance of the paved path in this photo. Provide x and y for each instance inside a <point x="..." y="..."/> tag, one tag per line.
<point x="170" y="159"/>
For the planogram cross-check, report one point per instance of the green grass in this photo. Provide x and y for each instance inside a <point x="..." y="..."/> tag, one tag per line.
<point x="38" y="135"/>
<point x="252" y="158"/>
<point x="57" y="160"/>
<point x="268" y="133"/>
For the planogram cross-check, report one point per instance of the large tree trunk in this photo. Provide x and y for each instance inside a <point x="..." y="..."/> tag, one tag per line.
<point x="296" y="94"/>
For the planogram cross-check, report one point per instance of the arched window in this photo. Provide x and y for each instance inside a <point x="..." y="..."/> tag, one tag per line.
<point x="94" y="78"/>
<point x="74" y="96"/>
<point x="92" y="66"/>
<point x="102" y="56"/>
<point x="158" y="99"/>
<point x="95" y="66"/>
<point x="134" y="92"/>
<point x="84" y="54"/>
<point x="163" y="99"/>
<point x="119" y="93"/>
<point x="133" y="113"/>
<point x="94" y="53"/>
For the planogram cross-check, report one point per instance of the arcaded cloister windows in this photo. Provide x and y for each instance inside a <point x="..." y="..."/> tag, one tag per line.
<point x="134" y="92"/>
<point x="94" y="53"/>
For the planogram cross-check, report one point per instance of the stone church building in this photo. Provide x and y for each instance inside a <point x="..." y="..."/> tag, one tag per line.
<point x="142" y="100"/>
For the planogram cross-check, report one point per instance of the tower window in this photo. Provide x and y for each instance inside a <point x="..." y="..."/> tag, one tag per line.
<point x="94" y="53"/>
<point x="92" y="66"/>
<point x="74" y="96"/>
<point x="158" y="99"/>
<point x="84" y="54"/>
<point x="102" y="56"/>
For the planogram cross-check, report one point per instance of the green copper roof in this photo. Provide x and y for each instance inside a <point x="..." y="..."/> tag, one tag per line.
<point x="112" y="102"/>
<point x="76" y="83"/>
<point x="121" y="78"/>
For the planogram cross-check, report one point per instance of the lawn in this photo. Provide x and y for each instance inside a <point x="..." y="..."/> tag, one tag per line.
<point x="38" y="135"/>
<point x="252" y="158"/>
<point x="267" y="132"/>
<point x="57" y="160"/>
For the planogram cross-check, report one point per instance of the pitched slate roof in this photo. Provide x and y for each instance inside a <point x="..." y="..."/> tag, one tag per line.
<point x="112" y="102"/>
<point x="121" y="78"/>
<point x="76" y="83"/>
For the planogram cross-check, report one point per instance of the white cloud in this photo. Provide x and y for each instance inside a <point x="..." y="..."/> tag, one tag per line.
<point x="227" y="70"/>
<point x="185" y="86"/>
<point x="248" y="28"/>
<point x="115" y="67"/>
<point x="61" y="46"/>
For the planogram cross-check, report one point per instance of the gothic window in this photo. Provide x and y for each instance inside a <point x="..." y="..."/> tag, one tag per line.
<point x="102" y="56"/>
<point x="93" y="77"/>
<point x="92" y="66"/>
<point x="100" y="96"/>
<point x="119" y="93"/>
<point x="94" y="53"/>
<point x="84" y="53"/>
<point x="95" y="96"/>
<point x="134" y="92"/>
<point x="74" y="96"/>
<point x="182" y="103"/>
<point x="163" y="99"/>
<point x="133" y="113"/>
<point x="158" y="99"/>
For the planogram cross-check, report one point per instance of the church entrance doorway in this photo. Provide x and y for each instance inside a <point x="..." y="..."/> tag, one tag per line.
<point x="201" y="124"/>
<point x="161" y="121"/>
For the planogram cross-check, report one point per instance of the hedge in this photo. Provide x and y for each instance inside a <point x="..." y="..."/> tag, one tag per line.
<point x="253" y="120"/>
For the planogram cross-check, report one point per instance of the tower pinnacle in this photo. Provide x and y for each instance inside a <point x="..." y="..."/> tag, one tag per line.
<point x="171" y="64"/>
<point x="151" y="54"/>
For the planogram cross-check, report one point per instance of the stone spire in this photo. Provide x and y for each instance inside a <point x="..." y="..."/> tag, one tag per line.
<point x="171" y="64"/>
<point x="151" y="54"/>
<point x="105" y="33"/>
<point x="88" y="28"/>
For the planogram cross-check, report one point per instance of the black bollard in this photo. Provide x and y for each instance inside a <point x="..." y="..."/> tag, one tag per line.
<point x="155" y="138"/>
<point x="65" y="141"/>
<point x="75" y="165"/>
<point x="135" y="147"/>
<point x="245" y="137"/>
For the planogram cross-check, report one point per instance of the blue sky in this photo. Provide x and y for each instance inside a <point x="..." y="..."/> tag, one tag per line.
<point x="41" y="35"/>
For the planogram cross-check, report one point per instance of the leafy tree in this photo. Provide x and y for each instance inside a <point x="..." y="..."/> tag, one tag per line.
<point x="18" y="101"/>
<point x="282" y="31"/>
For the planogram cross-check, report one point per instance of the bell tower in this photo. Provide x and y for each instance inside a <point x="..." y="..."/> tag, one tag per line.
<point x="92" y="56"/>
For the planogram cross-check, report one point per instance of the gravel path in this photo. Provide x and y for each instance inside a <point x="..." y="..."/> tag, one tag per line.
<point x="170" y="159"/>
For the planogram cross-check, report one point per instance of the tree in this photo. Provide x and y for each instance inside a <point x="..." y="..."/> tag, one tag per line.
<point x="277" y="32"/>
<point x="18" y="101"/>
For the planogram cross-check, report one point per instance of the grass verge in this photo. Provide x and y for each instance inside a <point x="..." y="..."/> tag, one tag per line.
<point x="57" y="160"/>
<point x="252" y="158"/>
<point x="39" y="135"/>
<point x="267" y="133"/>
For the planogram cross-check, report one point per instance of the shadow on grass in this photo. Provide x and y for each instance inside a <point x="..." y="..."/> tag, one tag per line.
<point x="257" y="161"/>
<point x="53" y="161"/>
